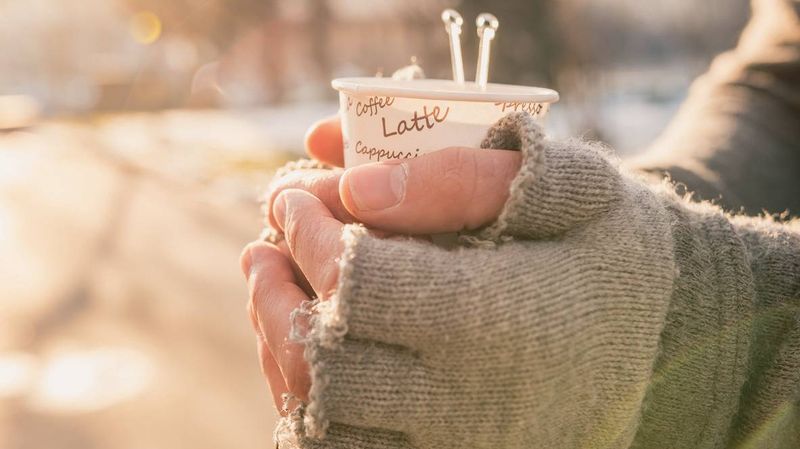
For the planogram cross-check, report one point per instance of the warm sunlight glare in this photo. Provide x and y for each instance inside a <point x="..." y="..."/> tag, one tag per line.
<point x="16" y="373"/>
<point x="87" y="380"/>
<point x="145" y="27"/>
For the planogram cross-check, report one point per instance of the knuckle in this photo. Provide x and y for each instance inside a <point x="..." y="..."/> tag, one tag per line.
<point x="275" y="189"/>
<point x="457" y="168"/>
<point x="260" y="279"/>
<point x="316" y="182"/>
<point x="490" y="191"/>
<point x="454" y="183"/>
<point x="293" y="234"/>
<point x="324" y="184"/>
<point x="259" y="294"/>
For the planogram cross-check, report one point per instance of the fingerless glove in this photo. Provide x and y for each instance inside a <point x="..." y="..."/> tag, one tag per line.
<point x="597" y="312"/>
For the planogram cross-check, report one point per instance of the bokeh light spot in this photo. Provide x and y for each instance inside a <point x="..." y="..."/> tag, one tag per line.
<point x="16" y="372"/>
<point x="74" y="381"/>
<point x="145" y="27"/>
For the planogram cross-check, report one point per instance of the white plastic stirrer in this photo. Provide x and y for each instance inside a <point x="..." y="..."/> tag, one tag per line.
<point x="452" y="22"/>
<point x="487" y="28"/>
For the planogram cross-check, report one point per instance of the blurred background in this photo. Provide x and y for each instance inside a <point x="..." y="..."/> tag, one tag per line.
<point x="135" y="136"/>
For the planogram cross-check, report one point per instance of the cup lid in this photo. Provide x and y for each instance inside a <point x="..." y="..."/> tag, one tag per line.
<point x="433" y="89"/>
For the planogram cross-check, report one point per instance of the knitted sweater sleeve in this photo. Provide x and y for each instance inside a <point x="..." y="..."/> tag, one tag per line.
<point x="736" y="138"/>
<point x="602" y="313"/>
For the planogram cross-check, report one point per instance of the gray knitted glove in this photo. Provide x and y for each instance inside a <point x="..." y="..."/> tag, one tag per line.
<point x="605" y="314"/>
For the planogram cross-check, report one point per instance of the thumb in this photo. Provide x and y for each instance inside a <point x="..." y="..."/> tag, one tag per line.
<point x="449" y="190"/>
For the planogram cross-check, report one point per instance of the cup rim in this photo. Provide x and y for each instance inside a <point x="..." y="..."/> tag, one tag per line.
<point x="438" y="89"/>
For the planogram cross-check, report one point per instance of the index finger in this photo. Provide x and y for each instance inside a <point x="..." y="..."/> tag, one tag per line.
<point x="324" y="141"/>
<point x="314" y="238"/>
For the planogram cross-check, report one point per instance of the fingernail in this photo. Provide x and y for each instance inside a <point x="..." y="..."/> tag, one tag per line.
<point x="378" y="186"/>
<point x="279" y="210"/>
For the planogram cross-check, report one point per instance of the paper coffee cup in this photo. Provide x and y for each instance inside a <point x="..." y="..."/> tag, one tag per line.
<point x="385" y="119"/>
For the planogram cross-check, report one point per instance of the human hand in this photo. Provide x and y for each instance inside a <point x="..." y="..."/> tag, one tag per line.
<point x="454" y="189"/>
<point x="596" y="320"/>
<point x="511" y="346"/>
<point x="282" y="278"/>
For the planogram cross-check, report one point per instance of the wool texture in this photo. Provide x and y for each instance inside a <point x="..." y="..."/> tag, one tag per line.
<point x="606" y="312"/>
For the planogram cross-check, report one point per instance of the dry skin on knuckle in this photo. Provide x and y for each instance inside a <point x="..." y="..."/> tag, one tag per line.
<point x="455" y="184"/>
<point x="321" y="183"/>
<point x="257" y="277"/>
<point x="289" y="181"/>
<point x="492" y="182"/>
<point x="260" y="292"/>
<point x="444" y="175"/>
<point x="293" y="234"/>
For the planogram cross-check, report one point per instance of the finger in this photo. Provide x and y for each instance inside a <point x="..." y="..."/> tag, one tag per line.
<point x="273" y="297"/>
<point x="450" y="190"/>
<point x="323" y="184"/>
<point x="269" y="368"/>
<point x="298" y="273"/>
<point x="271" y="371"/>
<point x="313" y="236"/>
<point x="324" y="141"/>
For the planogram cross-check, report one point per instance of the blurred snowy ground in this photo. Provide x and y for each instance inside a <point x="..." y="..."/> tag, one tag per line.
<point x="121" y="301"/>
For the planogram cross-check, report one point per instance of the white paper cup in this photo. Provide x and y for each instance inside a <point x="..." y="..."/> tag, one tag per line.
<point x="384" y="119"/>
